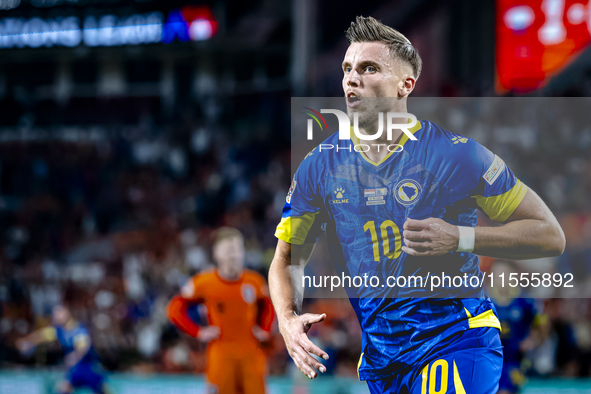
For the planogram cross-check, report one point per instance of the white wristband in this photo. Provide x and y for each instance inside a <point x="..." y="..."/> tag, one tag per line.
<point x="467" y="237"/>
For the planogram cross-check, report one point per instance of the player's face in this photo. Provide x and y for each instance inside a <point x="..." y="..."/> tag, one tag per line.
<point x="370" y="70"/>
<point x="60" y="315"/>
<point x="229" y="255"/>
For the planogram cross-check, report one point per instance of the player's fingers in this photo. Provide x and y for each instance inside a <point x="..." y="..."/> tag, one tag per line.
<point x="418" y="246"/>
<point x="309" y="361"/>
<point x="415" y="235"/>
<point x="414" y="252"/>
<point x="299" y="366"/>
<point x="311" y="318"/>
<point x="299" y="359"/>
<point x="412" y="224"/>
<point x="309" y="346"/>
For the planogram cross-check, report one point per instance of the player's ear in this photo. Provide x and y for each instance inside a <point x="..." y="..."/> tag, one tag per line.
<point x="407" y="85"/>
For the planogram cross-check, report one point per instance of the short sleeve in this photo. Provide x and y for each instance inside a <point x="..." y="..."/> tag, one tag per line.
<point x="49" y="334"/>
<point x="499" y="192"/>
<point x="82" y="340"/>
<point x="471" y="171"/>
<point x="304" y="210"/>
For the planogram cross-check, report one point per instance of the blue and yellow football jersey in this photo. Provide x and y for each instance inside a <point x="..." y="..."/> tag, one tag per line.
<point x="87" y="372"/>
<point x="517" y="316"/>
<point x="364" y="206"/>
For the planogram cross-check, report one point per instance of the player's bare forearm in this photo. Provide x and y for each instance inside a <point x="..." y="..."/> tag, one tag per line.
<point x="280" y="281"/>
<point x="284" y="275"/>
<point x="520" y="240"/>
<point x="530" y="232"/>
<point x="38" y="337"/>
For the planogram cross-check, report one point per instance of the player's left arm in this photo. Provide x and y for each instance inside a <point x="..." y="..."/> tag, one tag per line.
<point x="530" y="232"/>
<point x="529" y="229"/>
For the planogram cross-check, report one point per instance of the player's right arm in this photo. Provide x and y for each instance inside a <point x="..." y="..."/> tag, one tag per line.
<point x="300" y="227"/>
<point x="177" y="312"/>
<point x="47" y="334"/>
<point x="284" y="274"/>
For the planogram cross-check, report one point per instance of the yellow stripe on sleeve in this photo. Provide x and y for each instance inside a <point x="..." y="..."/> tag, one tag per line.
<point x="49" y="334"/>
<point x="81" y="341"/>
<point x="500" y="207"/>
<point x="295" y="229"/>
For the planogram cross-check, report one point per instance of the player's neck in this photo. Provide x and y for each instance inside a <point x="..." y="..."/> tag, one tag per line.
<point x="378" y="148"/>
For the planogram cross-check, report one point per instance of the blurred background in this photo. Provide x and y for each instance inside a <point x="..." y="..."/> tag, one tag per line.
<point x="131" y="129"/>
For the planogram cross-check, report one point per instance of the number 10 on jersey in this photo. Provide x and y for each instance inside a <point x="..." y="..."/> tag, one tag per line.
<point x="389" y="232"/>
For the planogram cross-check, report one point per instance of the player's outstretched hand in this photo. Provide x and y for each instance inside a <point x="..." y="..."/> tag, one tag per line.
<point x="429" y="237"/>
<point x="208" y="333"/>
<point x="294" y="329"/>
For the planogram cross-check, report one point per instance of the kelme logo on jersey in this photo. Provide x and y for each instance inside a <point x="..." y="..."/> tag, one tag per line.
<point x="459" y="139"/>
<point x="339" y="193"/>
<point x="407" y="192"/>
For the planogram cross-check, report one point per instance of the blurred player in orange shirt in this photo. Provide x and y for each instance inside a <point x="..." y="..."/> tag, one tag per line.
<point x="240" y="316"/>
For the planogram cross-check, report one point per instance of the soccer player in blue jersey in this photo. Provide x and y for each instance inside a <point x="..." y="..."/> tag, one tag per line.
<point x="403" y="213"/>
<point x="84" y="368"/>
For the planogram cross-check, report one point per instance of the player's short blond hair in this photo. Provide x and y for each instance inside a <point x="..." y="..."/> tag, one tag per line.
<point x="371" y="30"/>
<point x="224" y="233"/>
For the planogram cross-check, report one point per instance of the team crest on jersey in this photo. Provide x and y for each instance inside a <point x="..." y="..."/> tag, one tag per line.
<point x="249" y="294"/>
<point x="493" y="172"/>
<point x="290" y="192"/>
<point x="407" y="192"/>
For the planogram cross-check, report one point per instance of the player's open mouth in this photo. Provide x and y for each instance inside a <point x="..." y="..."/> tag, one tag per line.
<point x="353" y="100"/>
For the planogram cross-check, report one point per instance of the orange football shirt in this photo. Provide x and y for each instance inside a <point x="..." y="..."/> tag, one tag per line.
<point x="233" y="306"/>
